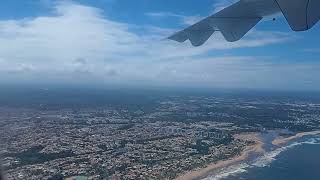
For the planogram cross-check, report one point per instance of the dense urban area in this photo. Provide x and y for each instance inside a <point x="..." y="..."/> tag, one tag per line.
<point x="158" y="138"/>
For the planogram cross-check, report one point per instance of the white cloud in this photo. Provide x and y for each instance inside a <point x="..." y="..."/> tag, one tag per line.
<point x="218" y="6"/>
<point x="78" y="44"/>
<point x="311" y="50"/>
<point x="185" y="20"/>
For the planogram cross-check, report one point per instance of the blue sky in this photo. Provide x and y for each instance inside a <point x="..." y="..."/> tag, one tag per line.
<point x="120" y="42"/>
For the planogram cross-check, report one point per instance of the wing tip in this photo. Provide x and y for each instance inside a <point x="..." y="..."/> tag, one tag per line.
<point x="177" y="40"/>
<point x="196" y="38"/>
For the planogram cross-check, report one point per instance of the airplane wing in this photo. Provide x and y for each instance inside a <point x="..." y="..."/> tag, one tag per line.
<point x="300" y="14"/>
<point x="233" y="22"/>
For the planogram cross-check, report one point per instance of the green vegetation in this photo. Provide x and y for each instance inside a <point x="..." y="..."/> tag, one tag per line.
<point x="33" y="156"/>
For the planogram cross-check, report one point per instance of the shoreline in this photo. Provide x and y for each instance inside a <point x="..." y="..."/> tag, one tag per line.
<point x="279" y="141"/>
<point x="255" y="148"/>
<point x="204" y="172"/>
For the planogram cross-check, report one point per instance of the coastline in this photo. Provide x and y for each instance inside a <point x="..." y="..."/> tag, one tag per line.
<point x="279" y="141"/>
<point x="203" y="172"/>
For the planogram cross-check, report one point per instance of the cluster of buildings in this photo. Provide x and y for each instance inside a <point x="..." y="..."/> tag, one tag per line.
<point x="42" y="146"/>
<point x="113" y="143"/>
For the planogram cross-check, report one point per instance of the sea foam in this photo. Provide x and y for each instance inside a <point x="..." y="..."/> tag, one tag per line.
<point x="228" y="171"/>
<point x="262" y="161"/>
<point x="269" y="157"/>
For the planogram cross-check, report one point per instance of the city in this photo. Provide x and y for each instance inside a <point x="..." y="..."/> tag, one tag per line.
<point x="162" y="140"/>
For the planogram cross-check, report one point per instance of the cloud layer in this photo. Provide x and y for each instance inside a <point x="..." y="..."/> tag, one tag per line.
<point x="76" y="43"/>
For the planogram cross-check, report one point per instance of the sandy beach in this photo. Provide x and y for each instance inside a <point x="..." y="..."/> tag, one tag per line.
<point x="281" y="140"/>
<point x="256" y="148"/>
<point x="203" y="172"/>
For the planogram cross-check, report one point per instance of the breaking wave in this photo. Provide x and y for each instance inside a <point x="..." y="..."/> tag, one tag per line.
<point x="268" y="157"/>
<point x="262" y="161"/>
<point x="228" y="171"/>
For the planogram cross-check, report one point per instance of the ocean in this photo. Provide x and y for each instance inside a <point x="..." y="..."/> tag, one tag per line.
<point x="299" y="160"/>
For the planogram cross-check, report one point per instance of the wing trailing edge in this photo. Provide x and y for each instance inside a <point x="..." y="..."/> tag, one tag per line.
<point x="198" y="34"/>
<point x="232" y="29"/>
